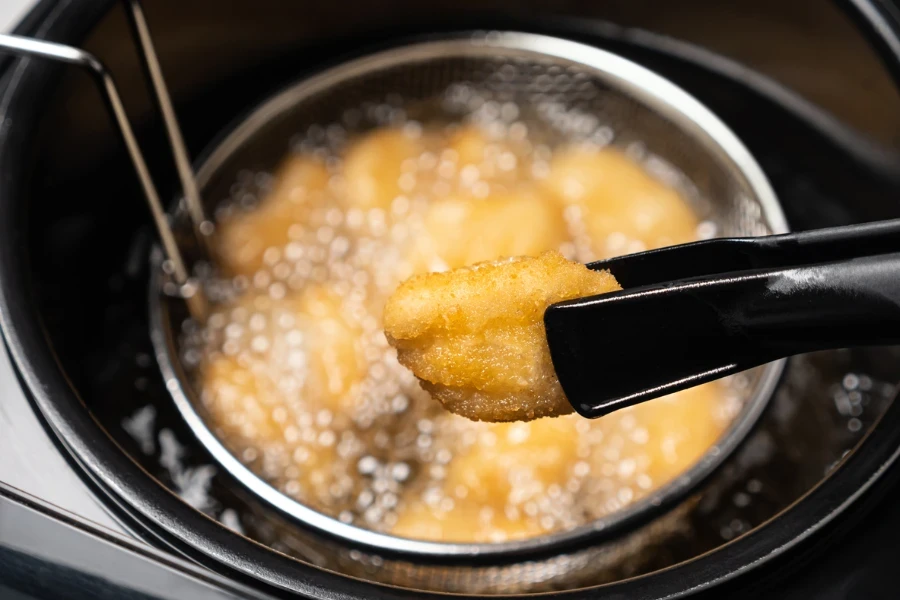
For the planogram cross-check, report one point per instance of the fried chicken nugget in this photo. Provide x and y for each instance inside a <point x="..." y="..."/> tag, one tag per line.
<point x="373" y="166"/>
<point x="243" y="402"/>
<point x="462" y="230"/>
<point x="677" y="430"/>
<point x="243" y="237"/>
<point x="475" y="336"/>
<point x="624" y="209"/>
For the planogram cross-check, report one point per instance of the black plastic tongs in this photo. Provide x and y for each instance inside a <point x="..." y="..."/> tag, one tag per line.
<point x="693" y="313"/>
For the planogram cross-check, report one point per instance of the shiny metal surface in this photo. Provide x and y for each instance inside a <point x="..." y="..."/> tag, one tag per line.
<point x="24" y="46"/>
<point x="48" y="554"/>
<point x="192" y="199"/>
<point x="32" y="462"/>
<point x="670" y="121"/>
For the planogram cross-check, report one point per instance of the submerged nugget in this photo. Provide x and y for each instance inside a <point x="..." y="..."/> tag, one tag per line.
<point x="374" y="165"/>
<point x="624" y="209"/>
<point x="306" y="338"/>
<point x="481" y="157"/>
<point x="475" y="336"/>
<point x="244" y="237"/>
<point x="462" y="231"/>
<point x="679" y="429"/>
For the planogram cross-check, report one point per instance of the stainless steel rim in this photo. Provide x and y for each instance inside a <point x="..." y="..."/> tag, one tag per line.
<point x="655" y="91"/>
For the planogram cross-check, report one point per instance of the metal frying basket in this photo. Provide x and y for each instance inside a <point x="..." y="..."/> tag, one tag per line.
<point x="565" y="92"/>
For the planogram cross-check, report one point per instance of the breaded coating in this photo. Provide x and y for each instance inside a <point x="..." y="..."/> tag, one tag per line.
<point x="475" y="336"/>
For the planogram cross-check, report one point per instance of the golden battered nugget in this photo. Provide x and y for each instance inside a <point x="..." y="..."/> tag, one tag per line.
<point x="479" y="158"/>
<point x="475" y="336"/>
<point x="462" y="230"/>
<point x="373" y="167"/>
<point x="491" y="482"/>
<point x="243" y="400"/>
<point x="244" y="236"/>
<point x="240" y="400"/>
<point x="622" y="207"/>
<point x="538" y="453"/>
<point x="305" y="335"/>
<point x="675" y="431"/>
